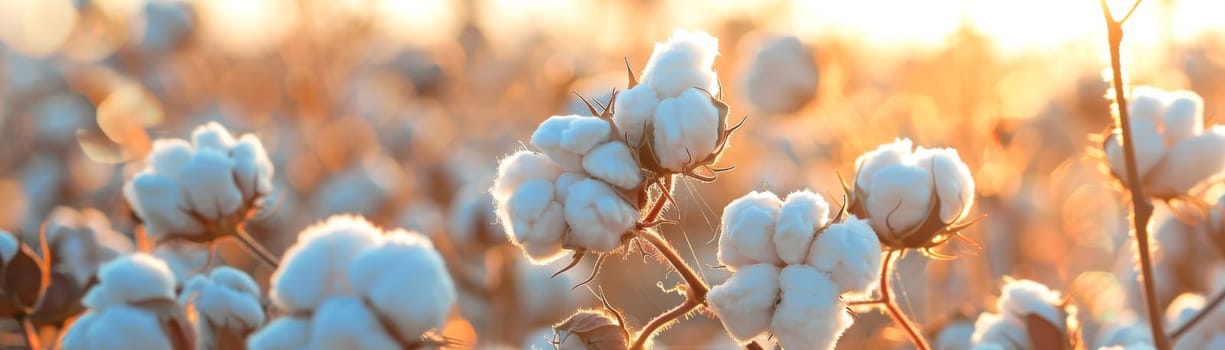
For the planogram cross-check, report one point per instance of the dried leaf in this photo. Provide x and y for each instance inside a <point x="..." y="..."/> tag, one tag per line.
<point x="1044" y="335"/>
<point x="25" y="280"/>
<point x="174" y="321"/>
<point x="61" y="300"/>
<point x="597" y="329"/>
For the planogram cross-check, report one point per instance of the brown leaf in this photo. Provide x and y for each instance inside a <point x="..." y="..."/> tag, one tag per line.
<point x="174" y="322"/>
<point x="25" y="280"/>
<point x="228" y="339"/>
<point x="61" y="300"/>
<point x="1044" y="335"/>
<point x="597" y="329"/>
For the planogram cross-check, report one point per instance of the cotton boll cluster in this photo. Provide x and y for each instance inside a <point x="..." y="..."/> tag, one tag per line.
<point x="914" y="199"/>
<point x="781" y="76"/>
<point x="790" y="264"/>
<point x="1208" y="333"/>
<point x="227" y="306"/>
<point x="190" y="190"/>
<point x="1174" y="152"/>
<point x="348" y="284"/>
<point x="1022" y="300"/>
<point x="132" y="307"/>
<point x="80" y="242"/>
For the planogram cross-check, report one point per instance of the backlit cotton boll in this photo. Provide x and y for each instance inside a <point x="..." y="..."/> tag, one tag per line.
<point x="913" y="199"/>
<point x="215" y="177"/>
<point x="130" y="279"/>
<point x="748" y="227"/>
<point x="406" y="280"/>
<point x="316" y="266"/>
<point x="781" y="77"/>
<point x="850" y="253"/>
<point x="566" y="139"/>
<point x="224" y="300"/>
<point x="1174" y="152"/>
<point x="745" y="302"/>
<point x="131" y="307"/>
<point x="81" y="241"/>
<point x="597" y="216"/>
<point x="802" y="214"/>
<point x="687" y="129"/>
<point x="809" y="314"/>
<point x="683" y="62"/>
<point x="1020" y="299"/>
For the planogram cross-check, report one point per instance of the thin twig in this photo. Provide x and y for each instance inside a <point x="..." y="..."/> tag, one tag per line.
<point x="895" y="312"/>
<point x="30" y="332"/>
<point x="256" y="248"/>
<point x="1142" y="207"/>
<point x="1201" y="315"/>
<point x="695" y="294"/>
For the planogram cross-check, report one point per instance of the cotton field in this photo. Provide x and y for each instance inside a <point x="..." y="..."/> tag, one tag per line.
<point x="612" y="175"/>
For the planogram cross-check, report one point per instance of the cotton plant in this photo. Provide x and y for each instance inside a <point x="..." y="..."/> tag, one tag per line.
<point x="133" y="306"/>
<point x="1209" y="334"/>
<point x="227" y="307"/>
<point x="204" y="189"/>
<point x="1175" y="152"/>
<point x="790" y="264"/>
<point x="781" y="75"/>
<point x="81" y="241"/>
<point x="1030" y="316"/>
<point x="349" y="284"/>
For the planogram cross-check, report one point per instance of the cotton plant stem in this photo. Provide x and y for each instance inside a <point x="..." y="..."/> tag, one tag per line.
<point x="891" y="307"/>
<point x="695" y="294"/>
<point x="30" y="332"/>
<point x="256" y="248"/>
<point x="1142" y="207"/>
<point x="1200" y="316"/>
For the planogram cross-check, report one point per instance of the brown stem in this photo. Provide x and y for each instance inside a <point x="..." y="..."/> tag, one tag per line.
<point x="1142" y="208"/>
<point x="695" y="294"/>
<point x="30" y="332"/>
<point x="895" y="312"/>
<point x="255" y="248"/>
<point x="1207" y="309"/>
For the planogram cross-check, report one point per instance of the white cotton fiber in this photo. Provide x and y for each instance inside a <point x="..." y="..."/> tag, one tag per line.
<point x="285" y="333"/>
<point x="900" y="198"/>
<point x="315" y="267"/>
<point x="633" y="111"/>
<point x="119" y="327"/>
<point x="801" y="215"/>
<point x="129" y="279"/>
<point x="884" y="155"/>
<point x="850" y="253"/>
<point x="810" y="314"/>
<point x="346" y="323"/>
<point x="683" y="62"/>
<point x="520" y="167"/>
<point x="686" y="129"/>
<point x="748" y="230"/>
<point x="534" y="220"/>
<point x="406" y="280"/>
<point x="597" y="216"/>
<point x="745" y="302"/>
<point x="209" y="184"/>
<point x="614" y="163"/>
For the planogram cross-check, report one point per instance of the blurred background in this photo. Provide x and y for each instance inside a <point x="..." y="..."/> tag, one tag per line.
<point x="399" y="111"/>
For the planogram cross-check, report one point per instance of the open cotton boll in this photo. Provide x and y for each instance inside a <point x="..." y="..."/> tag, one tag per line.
<point x="226" y="298"/>
<point x="252" y="168"/>
<point x="748" y="228"/>
<point x="129" y="279"/>
<point x="683" y="62"/>
<point x="209" y="184"/>
<point x="781" y="77"/>
<point x="1125" y="330"/>
<point x="159" y="200"/>
<point x="1184" y="117"/>
<point x="1189" y="163"/>
<point x="345" y="322"/>
<point x="81" y="241"/>
<point x="1150" y="148"/>
<point x="799" y="218"/>
<point x="285" y="333"/>
<point x="1001" y="331"/>
<point x="810" y="314"/>
<point x="534" y="221"/>
<point x="850" y="253"/>
<point x="955" y="336"/>
<point x="519" y="168"/>
<point x="117" y="327"/>
<point x="632" y="111"/>
<point x="614" y="163"/>
<point x="406" y="281"/>
<point x="567" y="138"/>
<point x="884" y="155"/>
<point x="8" y="246"/>
<point x="315" y="267"/>
<point x="686" y="129"/>
<point x="900" y="197"/>
<point x="169" y="156"/>
<point x="212" y="136"/>
<point x="745" y="302"/>
<point x="1025" y="297"/>
<point x="597" y="216"/>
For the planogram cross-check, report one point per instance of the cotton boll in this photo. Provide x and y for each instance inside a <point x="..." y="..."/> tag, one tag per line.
<point x="209" y="184"/>
<point x="597" y="216"/>
<point x="1125" y="330"/>
<point x="748" y="228"/>
<point x="850" y="253"/>
<point x="212" y="136"/>
<point x="8" y="246"/>
<point x="117" y="327"/>
<point x="955" y="336"/>
<point x="159" y="200"/>
<point x="252" y="168"/>
<point x="561" y="188"/>
<point x="169" y="156"/>
<point x="900" y="198"/>
<point x="810" y="314"/>
<point x="534" y="221"/>
<point x="520" y="167"/>
<point x="129" y="279"/>
<point x="614" y="163"/>
<point x="954" y="184"/>
<point x="781" y="77"/>
<point x="315" y="267"/>
<point x="1189" y="163"/>
<point x="884" y="155"/>
<point x="745" y="302"/>
<point x="1147" y="103"/>
<point x="683" y="62"/>
<point x="225" y="298"/>
<point x="801" y="215"/>
<point x="1004" y="332"/>
<point x="1025" y="297"/>
<point x="285" y="333"/>
<point x="1150" y="149"/>
<point x="406" y="281"/>
<point x="347" y="323"/>
<point x="686" y="129"/>
<point x="81" y="241"/>
<point x="566" y="139"/>
<point x="632" y="111"/>
<point x="1184" y="117"/>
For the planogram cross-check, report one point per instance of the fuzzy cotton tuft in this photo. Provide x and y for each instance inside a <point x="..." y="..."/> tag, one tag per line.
<point x="686" y="129"/>
<point x="1020" y="299"/>
<point x="683" y="62"/>
<point x="801" y="215"/>
<point x="745" y="302"/>
<point x="285" y="333"/>
<point x="748" y="229"/>
<point x="224" y="298"/>
<point x="851" y="253"/>
<point x="1174" y="152"/>
<point x="597" y="216"/>
<point x="566" y="139"/>
<point x="809" y="314"/>
<point x="407" y="281"/>
<point x="902" y="186"/>
<point x="118" y="327"/>
<point x="782" y="75"/>
<point x="129" y="279"/>
<point x="316" y="266"/>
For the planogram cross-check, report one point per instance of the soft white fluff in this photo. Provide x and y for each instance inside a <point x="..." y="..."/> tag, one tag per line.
<point x="129" y="279"/>
<point x="745" y="302"/>
<point x="8" y="246"/>
<point x="810" y="314"/>
<point x="285" y="333"/>
<point x="519" y="168"/>
<point x="614" y="163"/>
<point x="81" y="241"/>
<point x="686" y="129"/>
<point x="955" y="336"/>
<point x="1174" y="153"/>
<point x="748" y="230"/>
<point x="1124" y="331"/>
<point x="225" y="298"/>
<point x="1024" y="297"/>
<point x="1191" y="162"/>
<point x="884" y="155"/>
<point x="212" y="136"/>
<point x="597" y="216"/>
<point x="472" y="213"/>
<point x="534" y="220"/>
<point x="781" y="77"/>
<point x="900" y="197"/>
<point x="633" y="111"/>
<point x="801" y="215"/>
<point x="252" y="168"/>
<point x="159" y="201"/>
<point x="850" y="253"/>
<point x="683" y="62"/>
<point x="952" y="179"/>
<point x="566" y="139"/>
<point x="1150" y="148"/>
<point x="209" y="182"/>
<point x="1184" y="116"/>
<point x="406" y="280"/>
<point x="117" y="327"/>
<point x="345" y="322"/>
<point x="315" y="267"/>
<point x="1002" y="332"/>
